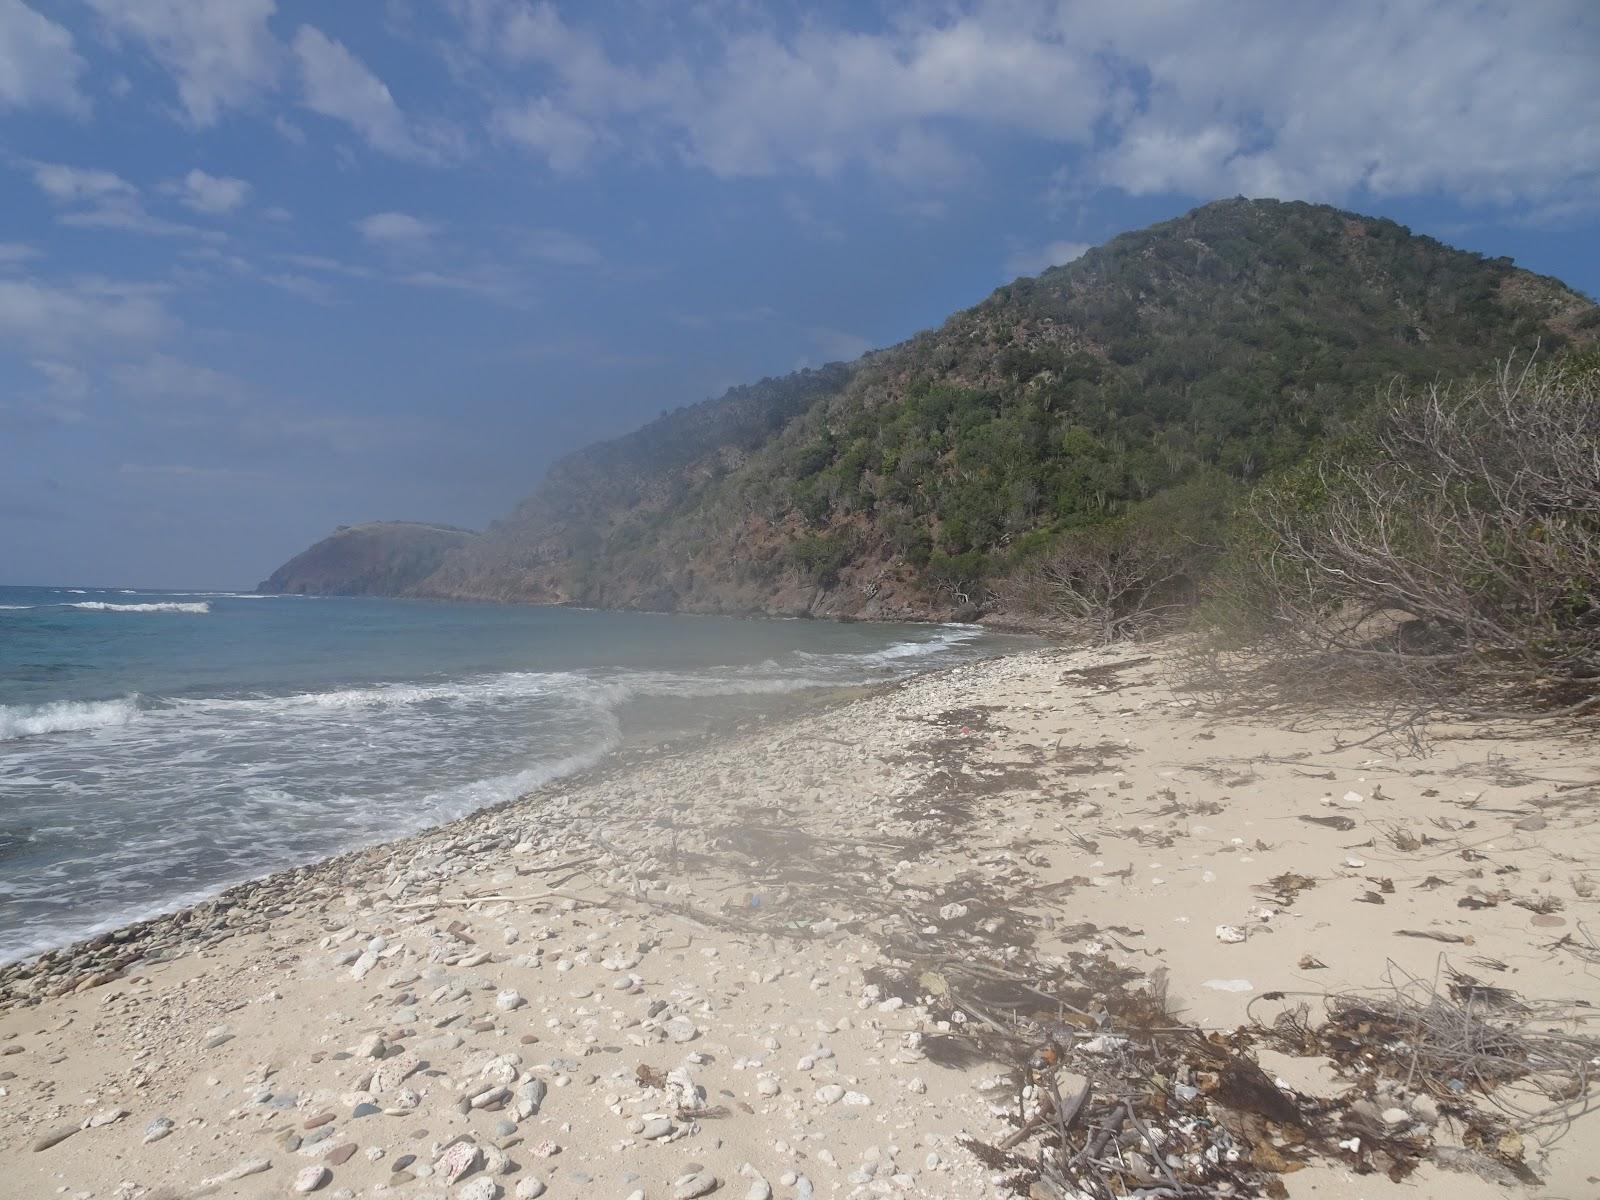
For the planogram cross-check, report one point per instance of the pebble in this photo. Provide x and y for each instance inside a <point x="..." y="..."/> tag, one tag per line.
<point x="340" y="1155"/>
<point x="312" y="1178"/>
<point x="697" y="1183"/>
<point x="530" y="1188"/>
<point x="655" y="1128"/>
<point x="528" y="1097"/>
<point x="509" y="1000"/>
<point x="681" y="1029"/>
<point x="481" y="1188"/>
<point x="157" y="1129"/>
<point x="54" y="1137"/>
<point x="829" y="1093"/>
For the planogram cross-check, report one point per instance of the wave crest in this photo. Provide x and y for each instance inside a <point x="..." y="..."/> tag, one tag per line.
<point x="202" y="606"/>
<point x="65" y="716"/>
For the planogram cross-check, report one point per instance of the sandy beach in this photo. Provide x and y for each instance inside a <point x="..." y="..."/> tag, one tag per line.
<point x="844" y="953"/>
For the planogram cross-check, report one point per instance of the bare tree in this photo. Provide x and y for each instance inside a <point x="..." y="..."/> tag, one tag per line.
<point x="1109" y="583"/>
<point x="1458" y="547"/>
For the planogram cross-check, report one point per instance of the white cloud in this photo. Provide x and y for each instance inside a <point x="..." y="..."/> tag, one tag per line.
<point x="103" y="200"/>
<point x="212" y="195"/>
<point x="1495" y="106"/>
<point x="38" y="64"/>
<point x="69" y="185"/>
<point x="565" y="141"/>
<point x="396" y="228"/>
<point x="83" y="316"/>
<point x="1036" y="259"/>
<point x="337" y="84"/>
<point x="220" y="52"/>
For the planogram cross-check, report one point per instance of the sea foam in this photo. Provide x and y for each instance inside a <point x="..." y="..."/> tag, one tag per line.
<point x="168" y="607"/>
<point x="66" y="716"/>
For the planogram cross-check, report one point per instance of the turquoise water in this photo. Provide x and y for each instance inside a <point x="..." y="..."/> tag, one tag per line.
<point x="158" y="746"/>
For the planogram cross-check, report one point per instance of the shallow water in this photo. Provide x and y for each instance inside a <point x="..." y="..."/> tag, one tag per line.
<point x="156" y="747"/>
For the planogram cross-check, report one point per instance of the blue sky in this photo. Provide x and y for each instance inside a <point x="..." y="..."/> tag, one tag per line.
<point x="267" y="267"/>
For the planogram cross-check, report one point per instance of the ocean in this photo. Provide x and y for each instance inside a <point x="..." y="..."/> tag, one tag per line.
<point x="156" y="747"/>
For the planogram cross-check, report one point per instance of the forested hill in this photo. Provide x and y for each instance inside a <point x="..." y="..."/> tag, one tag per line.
<point x="1218" y="346"/>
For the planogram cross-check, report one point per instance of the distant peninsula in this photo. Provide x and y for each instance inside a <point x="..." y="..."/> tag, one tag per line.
<point x="378" y="558"/>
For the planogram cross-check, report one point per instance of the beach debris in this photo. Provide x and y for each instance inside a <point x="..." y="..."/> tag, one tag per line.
<point x="1229" y="985"/>
<point x="1342" y="824"/>
<point x="456" y="1159"/>
<point x="1231" y="934"/>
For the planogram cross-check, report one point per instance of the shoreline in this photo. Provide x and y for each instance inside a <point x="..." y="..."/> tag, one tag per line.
<point x="98" y="958"/>
<point x="817" y="955"/>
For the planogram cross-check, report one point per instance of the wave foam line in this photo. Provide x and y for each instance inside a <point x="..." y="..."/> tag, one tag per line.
<point x="102" y="606"/>
<point x="65" y="716"/>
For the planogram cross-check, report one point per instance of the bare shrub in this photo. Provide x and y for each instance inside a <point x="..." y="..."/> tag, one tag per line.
<point x="1452" y="552"/>
<point x="1110" y="583"/>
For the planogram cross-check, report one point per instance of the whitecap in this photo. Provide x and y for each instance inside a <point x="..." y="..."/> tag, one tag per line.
<point x="65" y="716"/>
<point x="102" y="606"/>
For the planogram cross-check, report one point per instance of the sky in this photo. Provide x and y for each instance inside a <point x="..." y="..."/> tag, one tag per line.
<point x="271" y="266"/>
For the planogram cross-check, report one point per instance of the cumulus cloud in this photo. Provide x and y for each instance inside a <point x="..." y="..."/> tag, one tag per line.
<point x="396" y="228"/>
<point x="1497" y="106"/>
<point x="210" y="195"/>
<point x="337" y="84"/>
<point x="38" y="63"/>
<point x="221" y="55"/>
<point x="1035" y="259"/>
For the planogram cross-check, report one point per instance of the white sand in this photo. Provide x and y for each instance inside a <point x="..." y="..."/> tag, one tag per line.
<point x="701" y="896"/>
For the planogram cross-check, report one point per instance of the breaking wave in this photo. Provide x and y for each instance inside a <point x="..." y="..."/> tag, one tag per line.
<point x="201" y="606"/>
<point x="66" y="716"/>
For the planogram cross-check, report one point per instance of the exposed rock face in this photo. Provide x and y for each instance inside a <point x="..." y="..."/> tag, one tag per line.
<point x="380" y="558"/>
